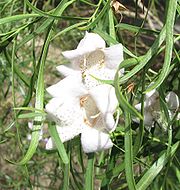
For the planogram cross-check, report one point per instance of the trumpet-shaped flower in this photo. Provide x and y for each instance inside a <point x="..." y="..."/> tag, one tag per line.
<point x="152" y="110"/>
<point x="81" y="104"/>
<point x="93" y="60"/>
<point x="78" y="111"/>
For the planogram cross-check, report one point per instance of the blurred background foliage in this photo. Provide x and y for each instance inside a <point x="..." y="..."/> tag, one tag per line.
<point x="136" y="24"/>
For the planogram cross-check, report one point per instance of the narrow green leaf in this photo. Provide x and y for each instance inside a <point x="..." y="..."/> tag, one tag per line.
<point x="110" y="40"/>
<point x="88" y="3"/>
<point x="66" y="175"/>
<point x="95" y="21"/>
<point x="112" y="32"/>
<point x="39" y="12"/>
<point x="114" y="172"/>
<point x="135" y="29"/>
<point x="38" y="104"/>
<point x="145" y="59"/>
<point x="8" y="36"/>
<point x="30" y="115"/>
<point x="22" y="76"/>
<point x="122" y="100"/>
<point x="74" y="174"/>
<point x="139" y="137"/>
<point x="89" y="176"/>
<point x="50" y="13"/>
<point x="130" y="62"/>
<point x="68" y="29"/>
<point x="62" y="152"/>
<point x="16" y="18"/>
<point x="156" y="168"/>
<point x="111" y="164"/>
<point x="29" y="109"/>
<point x="58" y="11"/>
<point x="169" y="45"/>
<point x="129" y="153"/>
<point x="106" y="36"/>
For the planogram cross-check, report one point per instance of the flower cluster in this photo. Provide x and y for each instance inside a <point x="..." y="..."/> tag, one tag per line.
<point x="81" y="104"/>
<point x="152" y="111"/>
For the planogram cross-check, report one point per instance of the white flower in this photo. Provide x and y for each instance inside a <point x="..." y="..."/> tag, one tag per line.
<point x="172" y="101"/>
<point x="152" y="110"/>
<point x="77" y="110"/>
<point x="91" y="58"/>
<point x="81" y="104"/>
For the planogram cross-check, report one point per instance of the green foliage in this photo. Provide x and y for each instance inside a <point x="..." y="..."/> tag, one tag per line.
<point x="32" y="36"/>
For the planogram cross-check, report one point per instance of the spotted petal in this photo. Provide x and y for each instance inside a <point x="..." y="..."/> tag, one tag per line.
<point x="93" y="140"/>
<point x="65" y="133"/>
<point x="65" y="113"/>
<point x="68" y="116"/>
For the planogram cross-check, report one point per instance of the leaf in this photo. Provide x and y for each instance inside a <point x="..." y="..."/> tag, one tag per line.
<point x="40" y="90"/>
<point x="62" y="152"/>
<point x="129" y="153"/>
<point x="112" y="31"/>
<point x="95" y="21"/>
<point x="30" y="115"/>
<point x="38" y="104"/>
<point x="171" y="13"/>
<point x="111" y="40"/>
<point x="58" y="11"/>
<point x="122" y="100"/>
<point x="66" y="175"/>
<point x="145" y="59"/>
<point x="22" y="76"/>
<point x="50" y="13"/>
<point x="16" y="18"/>
<point x="139" y="137"/>
<point x="135" y="29"/>
<point x="89" y="185"/>
<point x="155" y="169"/>
<point x="68" y="29"/>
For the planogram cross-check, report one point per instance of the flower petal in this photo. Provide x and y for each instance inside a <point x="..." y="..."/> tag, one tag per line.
<point x="70" y="86"/>
<point x="65" y="113"/>
<point x="68" y="116"/>
<point x="172" y="100"/>
<point x="151" y="93"/>
<point x="110" y="122"/>
<point x="93" y="140"/>
<point x="89" y="43"/>
<point x="105" y="98"/>
<point x="152" y="98"/>
<point x="69" y="132"/>
<point x="93" y="41"/>
<point x="74" y="54"/>
<point x="138" y="106"/>
<point x="106" y="101"/>
<point x="91" y="74"/>
<point x="148" y="118"/>
<point x="114" y="56"/>
<point x="66" y="70"/>
<point x="65" y="133"/>
<point x="50" y="144"/>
